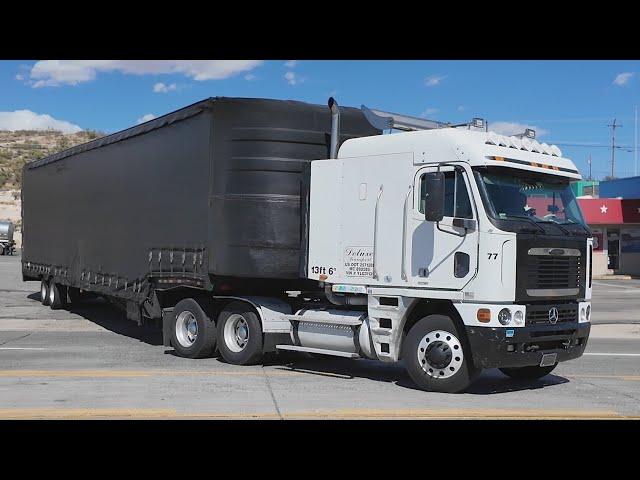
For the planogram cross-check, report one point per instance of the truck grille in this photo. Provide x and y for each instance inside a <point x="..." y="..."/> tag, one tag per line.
<point x="554" y="272"/>
<point x="539" y="314"/>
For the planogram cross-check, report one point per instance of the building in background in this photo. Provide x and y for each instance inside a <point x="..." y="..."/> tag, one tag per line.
<point x="614" y="219"/>
<point x="621" y="188"/>
<point x="585" y="188"/>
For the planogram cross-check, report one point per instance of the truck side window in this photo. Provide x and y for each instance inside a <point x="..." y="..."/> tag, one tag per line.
<point x="456" y="197"/>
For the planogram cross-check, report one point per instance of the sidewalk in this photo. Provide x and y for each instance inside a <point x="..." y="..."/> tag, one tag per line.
<point x="626" y="331"/>
<point x="615" y="277"/>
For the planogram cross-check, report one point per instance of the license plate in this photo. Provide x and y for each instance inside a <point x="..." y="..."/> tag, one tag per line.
<point x="548" y="359"/>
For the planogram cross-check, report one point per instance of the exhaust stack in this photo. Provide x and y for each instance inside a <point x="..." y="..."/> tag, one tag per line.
<point x="335" y="127"/>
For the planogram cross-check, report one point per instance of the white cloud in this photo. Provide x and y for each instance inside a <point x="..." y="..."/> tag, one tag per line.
<point x="249" y="77"/>
<point x="51" y="73"/>
<point x="429" y="111"/>
<point x="28" y="120"/>
<point x="292" y="78"/>
<point x="19" y="77"/>
<point x="512" y="128"/>
<point x="433" y="80"/>
<point x="623" y="78"/>
<point x="461" y="108"/>
<point x="146" y="118"/>
<point x="163" y="88"/>
<point x="291" y="63"/>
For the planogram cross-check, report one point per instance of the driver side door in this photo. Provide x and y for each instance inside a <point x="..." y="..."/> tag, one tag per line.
<point x="443" y="254"/>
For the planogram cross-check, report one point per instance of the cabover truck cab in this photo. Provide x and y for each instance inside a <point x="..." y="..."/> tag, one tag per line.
<point x="467" y="248"/>
<point x="247" y="226"/>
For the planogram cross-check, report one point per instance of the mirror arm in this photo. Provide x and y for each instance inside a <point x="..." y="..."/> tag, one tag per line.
<point x="452" y="233"/>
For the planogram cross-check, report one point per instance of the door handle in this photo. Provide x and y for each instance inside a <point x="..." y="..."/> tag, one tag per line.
<point x="375" y="236"/>
<point x="403" y="273"/>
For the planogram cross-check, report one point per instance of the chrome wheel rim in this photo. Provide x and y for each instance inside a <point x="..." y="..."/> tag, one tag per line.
<point x="236" y="333"/>
<point x="440" y="354"/>
<point x="186" y="329"/>
<point x="43" y="291"/>
<point x="52" y="295"/>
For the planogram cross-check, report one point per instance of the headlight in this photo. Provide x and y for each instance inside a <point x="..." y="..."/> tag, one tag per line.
<point x="504" y="316"/>
<point x="518" y="317"/>
<point x="583" y="315"/>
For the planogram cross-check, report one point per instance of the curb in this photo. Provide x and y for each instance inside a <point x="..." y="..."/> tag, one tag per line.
<point x="614" y="277"/>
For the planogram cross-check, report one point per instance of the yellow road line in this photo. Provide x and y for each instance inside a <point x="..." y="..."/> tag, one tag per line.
<point x="136" y="373"/>
<point x="346" y="414"/>
<point x="632" y="378"/>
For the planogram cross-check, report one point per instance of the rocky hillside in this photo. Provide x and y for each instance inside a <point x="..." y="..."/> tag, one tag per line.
<point x="20" y="147"/>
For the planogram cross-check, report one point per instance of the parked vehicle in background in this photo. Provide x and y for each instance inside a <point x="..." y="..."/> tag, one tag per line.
<point x="7" y="244"/>
<point x="248" y="226"/>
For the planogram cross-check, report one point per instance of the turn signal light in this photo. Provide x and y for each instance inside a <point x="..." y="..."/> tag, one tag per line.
<point x="484" y="315"/>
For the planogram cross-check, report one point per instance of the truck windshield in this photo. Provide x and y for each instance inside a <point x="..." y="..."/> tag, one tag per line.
<point x="540" y="198"/>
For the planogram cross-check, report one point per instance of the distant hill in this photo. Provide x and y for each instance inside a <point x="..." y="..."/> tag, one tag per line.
<point x="23" y="146"/>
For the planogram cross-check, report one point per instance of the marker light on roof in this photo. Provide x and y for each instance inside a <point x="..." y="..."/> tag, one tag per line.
<point x="516" y="142"/>
<point x="535" y="146"/>
<point x="478" y="123"/>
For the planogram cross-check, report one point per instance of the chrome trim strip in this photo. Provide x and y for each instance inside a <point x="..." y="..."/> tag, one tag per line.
<point x="552" y="292"/>
<point x="568" y="252"/>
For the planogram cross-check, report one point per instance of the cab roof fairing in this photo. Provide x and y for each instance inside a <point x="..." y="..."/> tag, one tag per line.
<point x="474" y="147"/>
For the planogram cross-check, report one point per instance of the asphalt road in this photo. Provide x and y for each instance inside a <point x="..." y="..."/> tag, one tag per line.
<point x="93" y="363"/>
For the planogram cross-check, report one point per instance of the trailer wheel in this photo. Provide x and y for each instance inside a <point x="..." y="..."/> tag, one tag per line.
<point x="73" y="293"/>
<point x="44" y="292"/>
<point x="240" y="334"/>
<point x="57" y="295"/>
<point x="528" y="373"/>
<point x="435" y="357"/>
<point x="193" y="333"/>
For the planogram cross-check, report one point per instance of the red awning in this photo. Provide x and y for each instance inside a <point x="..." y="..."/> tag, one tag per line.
<point x="610" y="210"/>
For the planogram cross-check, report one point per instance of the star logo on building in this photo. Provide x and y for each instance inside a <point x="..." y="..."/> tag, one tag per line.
<point x="603" y="209"/>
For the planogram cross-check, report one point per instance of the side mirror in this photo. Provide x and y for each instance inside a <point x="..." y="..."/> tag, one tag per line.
<point x="433" y="184"/>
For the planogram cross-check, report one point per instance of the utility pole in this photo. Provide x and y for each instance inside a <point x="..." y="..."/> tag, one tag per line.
<point x="635" y="146"/>
<point x="613" y="145"/>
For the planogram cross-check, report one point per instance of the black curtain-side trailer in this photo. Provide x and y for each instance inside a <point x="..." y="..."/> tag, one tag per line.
<point x="211" y="196"/>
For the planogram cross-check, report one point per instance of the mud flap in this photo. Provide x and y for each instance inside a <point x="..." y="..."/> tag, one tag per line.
<point x="167" y="325"/>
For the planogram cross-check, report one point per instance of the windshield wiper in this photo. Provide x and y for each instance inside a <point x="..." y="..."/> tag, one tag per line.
<point x="568" y="232"/>
<point x="571" y="222"/>
<point x="528" y="219"/>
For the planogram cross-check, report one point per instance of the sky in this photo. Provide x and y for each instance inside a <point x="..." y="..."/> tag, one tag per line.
<point x="568" y="103"/>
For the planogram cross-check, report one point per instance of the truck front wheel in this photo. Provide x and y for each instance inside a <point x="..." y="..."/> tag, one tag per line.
<point x="194" y="333"/>
<point x="435" y="358"/>
<point x="528" y="373"/>
<point x="240" y="334"/>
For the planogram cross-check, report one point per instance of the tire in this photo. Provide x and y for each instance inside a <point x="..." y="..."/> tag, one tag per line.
<point x="239" y="334"/>
<point x="73" y="294"/>
<point x="57" y="295"/>
<point x="193" y="333"/>
<point x="44" y="292"/>
<point x="436" y="339"/>
<point x="533" y="372"/>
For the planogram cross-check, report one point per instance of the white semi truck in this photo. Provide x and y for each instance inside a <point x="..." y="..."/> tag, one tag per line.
<point x="447" y="247"/>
